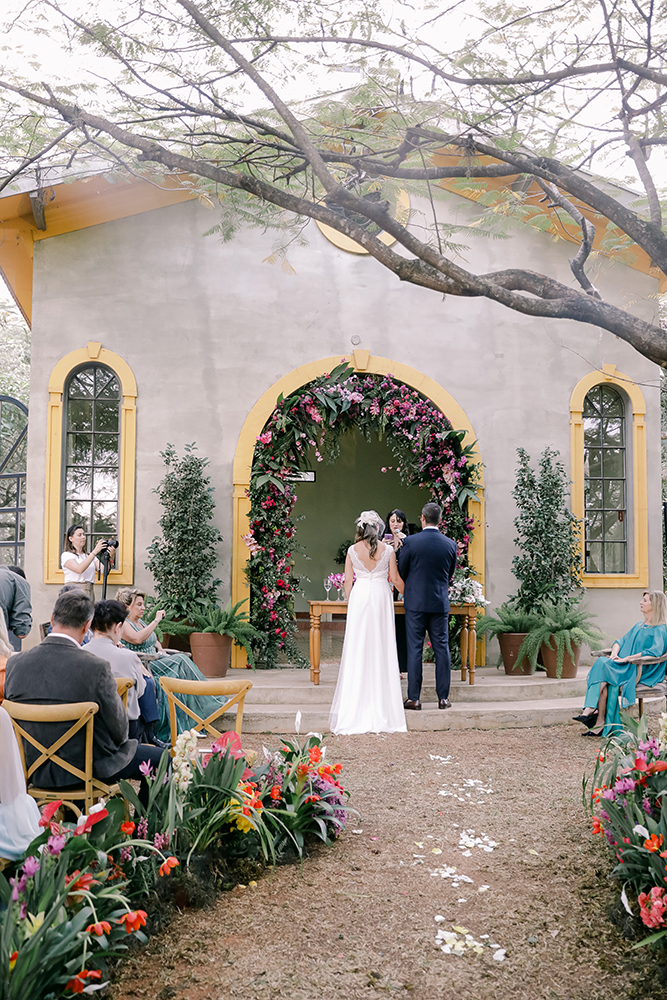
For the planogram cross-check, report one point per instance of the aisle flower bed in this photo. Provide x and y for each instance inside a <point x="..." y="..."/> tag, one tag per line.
<point x="628" y="804"/>
<point x="429" y="453"/>
<point x="83" y="892"/>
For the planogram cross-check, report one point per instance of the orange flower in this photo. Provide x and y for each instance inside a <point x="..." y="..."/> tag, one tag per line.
<point x="134" y="920"/>
<point x="302" y="770"/>
<point x="79" y="883"/>
<point x="312" y="798"/>
<point x="597" y="827"/>
<point x="167" y="865"/>
<point x="12" y="960"/>
<point x="127" y="827"/>
<point x="654" y="843"/>
<point x="100" y="928"/>
<point x="315" y="755"/>
<point x="76" y="984"/>
<point x="276" y="792"/>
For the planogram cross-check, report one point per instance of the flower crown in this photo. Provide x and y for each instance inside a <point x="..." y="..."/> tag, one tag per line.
<point x="370" y="517"/>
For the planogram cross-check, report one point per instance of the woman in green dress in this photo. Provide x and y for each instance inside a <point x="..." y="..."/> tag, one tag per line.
<point x="617" y="673"/>
<point x="141" y="638"/>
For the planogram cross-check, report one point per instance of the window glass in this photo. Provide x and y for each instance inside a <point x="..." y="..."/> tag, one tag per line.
<point x="605" y="490"/>
<point x="91" y="480"/>
<point x="13" y="442"/>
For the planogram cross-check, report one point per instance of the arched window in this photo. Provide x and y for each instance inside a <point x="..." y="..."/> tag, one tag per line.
<point x="92" y="447"/>
<point x="609" y="483"/>
<point x="13" y="444"/>
<point x="605" y="487"/>
<point x="90" y="456"/>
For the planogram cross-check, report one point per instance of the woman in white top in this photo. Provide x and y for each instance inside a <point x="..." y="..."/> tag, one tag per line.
<point x="78" y="565"/>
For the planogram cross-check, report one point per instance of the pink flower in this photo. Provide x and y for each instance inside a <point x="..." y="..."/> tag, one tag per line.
<point x="30" y="867"/>
<point x="54" y="845"/>
<point x="653" y="906"/>
<point x="146" y="768"/>
<point x="265" y="438"/>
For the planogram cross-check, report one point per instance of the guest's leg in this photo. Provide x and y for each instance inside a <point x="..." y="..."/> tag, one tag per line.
<point x="415" y="629"/>
<point x="401" y="643"/>
<point x="438" y="630"/>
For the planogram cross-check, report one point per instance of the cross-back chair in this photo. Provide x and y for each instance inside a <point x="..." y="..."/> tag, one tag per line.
<point x="235" y="691"/>
<point x="124" y="684"/>
<point x="642" y="691"/>
<point x="81" y="714"/>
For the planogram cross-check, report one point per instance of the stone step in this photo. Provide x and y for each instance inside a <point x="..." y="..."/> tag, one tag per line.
<point x="294" y="687"/>
<point x="520" y="714"/>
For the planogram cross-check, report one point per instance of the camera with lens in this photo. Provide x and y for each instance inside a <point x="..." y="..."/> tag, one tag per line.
<point x="110" y="543"/>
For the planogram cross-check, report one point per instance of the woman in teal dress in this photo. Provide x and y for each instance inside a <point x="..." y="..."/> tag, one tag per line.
<point x="141" y="638"/>
<point x="617" y="673"/>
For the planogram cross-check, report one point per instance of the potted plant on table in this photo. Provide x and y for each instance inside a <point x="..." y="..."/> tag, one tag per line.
<point x="212" y="630"/>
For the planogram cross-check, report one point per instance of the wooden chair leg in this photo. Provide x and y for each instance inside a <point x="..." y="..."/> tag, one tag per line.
<point x="641" y="707"/>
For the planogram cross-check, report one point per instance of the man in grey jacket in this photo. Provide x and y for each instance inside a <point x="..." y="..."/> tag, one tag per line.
<point x="58" y="672"/>
<point x="15" y="602"/>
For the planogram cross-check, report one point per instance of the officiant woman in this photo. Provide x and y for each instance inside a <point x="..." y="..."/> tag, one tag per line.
<point x="395" y="530"/>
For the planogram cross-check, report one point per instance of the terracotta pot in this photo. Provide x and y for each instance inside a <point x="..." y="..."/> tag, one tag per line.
<point x="211" y="652"/>
<point x="178" y="642"/>
<point x="509" y="650"/>
<point x="549" y="658"/>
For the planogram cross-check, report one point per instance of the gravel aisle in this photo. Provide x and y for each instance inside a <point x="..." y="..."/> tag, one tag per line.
<point x="359" y="917"/>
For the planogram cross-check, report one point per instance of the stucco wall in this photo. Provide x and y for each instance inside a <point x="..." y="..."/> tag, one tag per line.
<point x="208" y="327"/>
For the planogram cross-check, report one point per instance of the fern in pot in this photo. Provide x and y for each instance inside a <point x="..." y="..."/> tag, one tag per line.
<point x="212" y="630"/>
<point x="557" y="635"/>
<point x="510" y="627"/>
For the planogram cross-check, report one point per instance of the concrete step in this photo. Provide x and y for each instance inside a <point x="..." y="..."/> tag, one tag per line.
<point x="294" y="687"/>
<point x="519" y="714"/>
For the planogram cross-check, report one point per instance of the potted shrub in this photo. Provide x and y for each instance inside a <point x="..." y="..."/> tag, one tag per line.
<point x="212" y="630"/>
<point x="511" y="627"/>
<point x="557" y="636"/>
<point x="547" y="568"/>
<point x="183" y="559"/>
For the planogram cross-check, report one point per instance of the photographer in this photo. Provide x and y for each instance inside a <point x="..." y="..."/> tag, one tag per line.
<point x="78" y="566"/>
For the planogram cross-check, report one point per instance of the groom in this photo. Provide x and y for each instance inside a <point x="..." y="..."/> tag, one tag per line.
<point x="426" y="562"/>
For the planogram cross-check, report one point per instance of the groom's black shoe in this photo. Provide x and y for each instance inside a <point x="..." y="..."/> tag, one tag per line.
<point x="444" y="703"/>
<point x="416" y="705"/>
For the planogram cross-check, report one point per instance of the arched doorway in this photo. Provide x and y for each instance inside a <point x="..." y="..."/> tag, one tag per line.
<point x="361" y="361"/>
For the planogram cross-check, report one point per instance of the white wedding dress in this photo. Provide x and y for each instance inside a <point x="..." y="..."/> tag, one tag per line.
<point x="368" y="696"/>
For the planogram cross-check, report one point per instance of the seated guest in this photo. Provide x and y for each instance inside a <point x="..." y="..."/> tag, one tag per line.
<point x="142" y="710"/>
<point x="59" y="672"/>
<point x="15" y="602"/>
<point x="141" y="638"/>
<point x="396" y="528"/>
<point x="616" y="673"/>
<point x="5" y="652"/>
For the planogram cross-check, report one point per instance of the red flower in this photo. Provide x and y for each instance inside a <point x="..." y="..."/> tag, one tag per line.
<point x="654" y="843"/>
<point x="315" y="755"/>
<point x="597" y="827"/>
<point x="86" y="823"/>
<point x="79" y="883"/>
<point x="276" y="792"/>
<point x="12" y="960"/>
<point x="135" y="919"/>
<point x="165" y="868"/>
<point x="127" y="827"/>
<point x="49" y="811"/>
<point x="302" y="770"/>
<point x="100" y="928"/>
<point x="76" y="984"/>
<point x="312" y="798"/>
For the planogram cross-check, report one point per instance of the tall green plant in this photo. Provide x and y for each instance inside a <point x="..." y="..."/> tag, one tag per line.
<point x="184" y="558"/>
<point x="549" y="561"/>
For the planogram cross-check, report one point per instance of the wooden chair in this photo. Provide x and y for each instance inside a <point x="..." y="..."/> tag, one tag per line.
<point x="124" y="684"/>
<point x="81" y="714"/>
<point x="642" y="690"/>
<point x="237" y="691"/>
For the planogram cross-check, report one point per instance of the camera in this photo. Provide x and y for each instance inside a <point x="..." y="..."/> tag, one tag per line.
<point x="110" y="543"/>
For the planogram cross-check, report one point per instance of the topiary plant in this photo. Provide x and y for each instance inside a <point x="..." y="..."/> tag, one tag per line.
<point x="184" y="558"/>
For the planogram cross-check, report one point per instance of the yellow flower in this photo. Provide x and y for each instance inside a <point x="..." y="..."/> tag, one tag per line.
<point x="33" y="923"/>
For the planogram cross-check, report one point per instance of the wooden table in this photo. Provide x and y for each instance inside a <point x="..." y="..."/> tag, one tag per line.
<point x="468" y="633"/>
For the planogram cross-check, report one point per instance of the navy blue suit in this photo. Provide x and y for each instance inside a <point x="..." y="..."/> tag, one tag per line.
<point x="426" y="562"/>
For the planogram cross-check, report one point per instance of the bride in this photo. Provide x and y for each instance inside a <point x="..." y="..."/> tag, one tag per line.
<point x="368" y="695"/>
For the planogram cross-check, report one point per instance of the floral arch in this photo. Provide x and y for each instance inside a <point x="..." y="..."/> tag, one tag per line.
<point x="308" y="411"/>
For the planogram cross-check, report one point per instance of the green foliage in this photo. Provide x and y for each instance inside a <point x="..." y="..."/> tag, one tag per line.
<point x="207" y="616"/>
<point x="510" y="618"/>
<point x="184" y="558"/>
<point x="341" y="552"/>
<point x="14" y="353"/>
<point x="549" y="562"/>
<point x="561" y="627"/>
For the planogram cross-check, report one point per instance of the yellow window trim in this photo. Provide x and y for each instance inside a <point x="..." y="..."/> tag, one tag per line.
<point x="264" y="407"/>
<point x="610" y="376"/>
<point x="123" y="573"/>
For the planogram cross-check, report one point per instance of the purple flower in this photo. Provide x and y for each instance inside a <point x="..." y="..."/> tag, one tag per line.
<point x="142" y="828"/>
<point x="651" y="745"/>
<point x="23" y="911"/>
<point x="610" y="838"/>
<point x="609" y="793"/>
<point x="146" y="768"/>
<point x="624" y="785"/>
<point x="604" y="816"/>
<point x="18" y="886"/>
<point x="55" y="844"/>
<point x="125" y="854"/>
<point x="646" y="806"/>
<point x="30" y="867"/>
